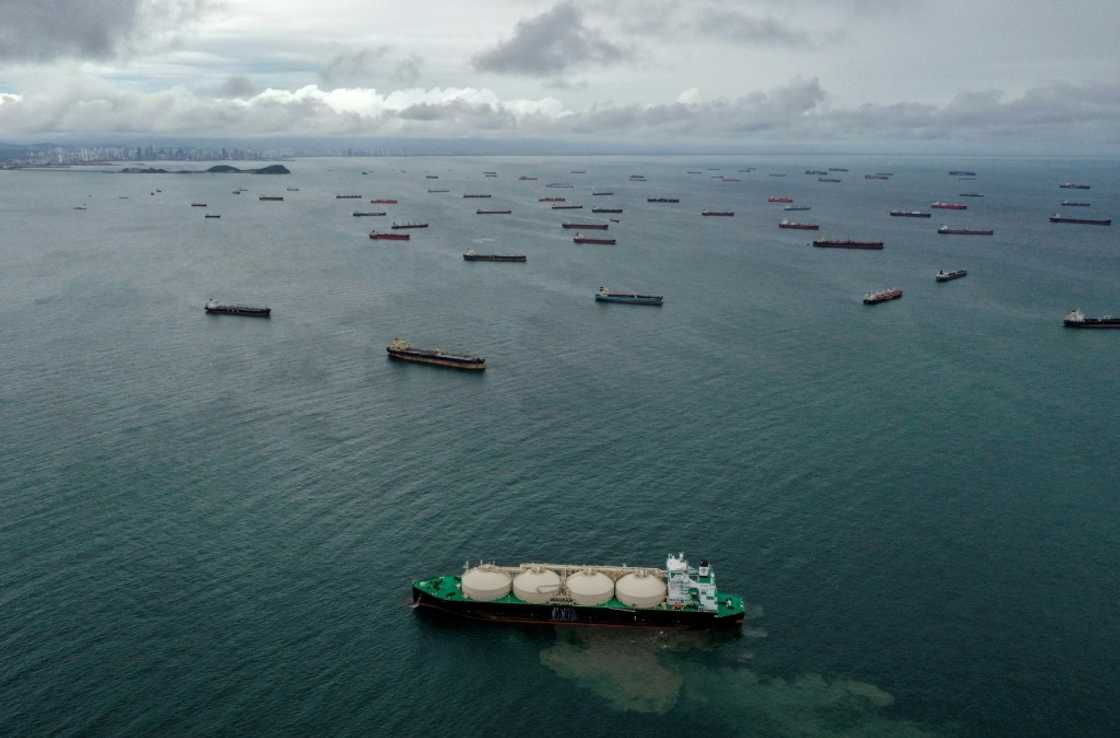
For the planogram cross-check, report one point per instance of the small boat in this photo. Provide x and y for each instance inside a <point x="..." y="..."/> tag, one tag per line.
<point x="1075" y="204"/>
<point x="874" y="298"/>
<point x="662" y="199"/>
<point x="368" y="213"/>
<point x="779" y="198"/>
<point x="580" y="238"/>
<point x="799" y="226"/>
<point x="1059" y="218"/>
<point x="198" y="204"/>
<point x="271" y="198"/>
<point x="963" y="231"/>
<point x="1076" y="319"/>
<point x="214" y="308"/>
<point x="400" y="226"/>
<point x="791" y="208"/>
<point x="383" y="201"/>
<point x="910" y="214"/>
<point x="345" y="197"/>
<point x="567" y="207"/>
<point x="470" y="255"/>
<point x="941" y="205"/>
<point x="606" y="210"/>
<point x="601" y="194"/>
<point x="493" y="212"/>
<point x="943" y="276"/>
<point x="588" y="226"/>
<point x="848" y="244"/>
<point x="381" y="236"/>
<point x="1074" y="186"/>
<point x="212" y="216"/>
<point x="476" y="196"/>
<point x="718" y="213"/>
<point x="627" y="298"/>
<point x="401" y="350"/>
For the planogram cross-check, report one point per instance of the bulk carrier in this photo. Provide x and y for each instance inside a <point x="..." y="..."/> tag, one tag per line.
<point x="678" y="596"/>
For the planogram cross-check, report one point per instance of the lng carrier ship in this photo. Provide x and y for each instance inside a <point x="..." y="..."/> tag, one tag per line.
<point x="678" y="596"/>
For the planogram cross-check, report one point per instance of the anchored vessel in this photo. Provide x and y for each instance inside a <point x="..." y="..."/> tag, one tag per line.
<point x="476" y="196"/>
<point x="567" y="207"/>
<point x="271" y="198"/>
<point x="940" y="205"/>
<point x="551" y="199"/>
<point x="432" y="192"/>
<point x="874" y="298"/>
<point x="1073" y="186"/>
<point x="961" y="173"/>
<point x="399" y="226"/>
<point x="678" y="596"/>
<point x="601" y="194"/>
<point x="829" y="179"/>
<point x="848" y="244"/>
<point x="663" y="199"/>
<point x="1059" y="218"/>
<point x="630" y="298"/>
<point x="214" y="308"/>
<point x="962" y="231"/>
<point x="791" y="208"/>
<point x="588" y="226"/>
<point x="970" y="194"/>
<point x="606" y="210"/>
<point x="401" y="350"/>
<point x="1076" y="319"/>
<point x="345" y="197"/>
<point x="493" y="212"/>
<point x="798" y="226"/>
<point x="380" y="236"/>
<point x="383" y="201"/>
<point x="580" y="238"/>
<point x="943" y="276"/>
<point x="779" y="198"/>
<point x="718" y="213"/>
<point x="470" y="255"/>
<point x="1075" y="204"/>
<point x="876" y="176"/>
<point x="910" y="214"/>
<point x="367" y="213"/>
<point x="211" y="216"/>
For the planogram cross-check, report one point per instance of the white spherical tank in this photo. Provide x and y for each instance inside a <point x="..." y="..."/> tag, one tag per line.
<point x="640" y="589"/>
<point x="536" y="585"/>
<point x="485" y="583"/>
<point x="590" y="587"/>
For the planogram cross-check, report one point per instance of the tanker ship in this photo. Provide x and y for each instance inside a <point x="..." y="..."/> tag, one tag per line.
<point x="678" y="596"/>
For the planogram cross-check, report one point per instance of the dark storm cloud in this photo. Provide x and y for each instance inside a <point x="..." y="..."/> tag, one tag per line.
<point x="42" y="30"/>
<point x="732" y="25"/>
<point x="550" y="43"/>
<point x="370" y="67"/>
<point x="237" y="86"/>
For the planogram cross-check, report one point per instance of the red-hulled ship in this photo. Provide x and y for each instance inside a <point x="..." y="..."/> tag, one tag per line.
<point x="580" y="238"/>
<point x="874" y="298"/>
<point x="588" y="226"/>
<point x="380" y="236"/>
<point x="789" y="224"/>
<point x="383" y="201"/>
<point x="779" y="198"/>
<point x="552" y="199"/>
<point x="940" y="205"/>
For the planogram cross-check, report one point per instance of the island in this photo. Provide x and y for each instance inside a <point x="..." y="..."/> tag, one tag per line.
<point x="218" y="169"/>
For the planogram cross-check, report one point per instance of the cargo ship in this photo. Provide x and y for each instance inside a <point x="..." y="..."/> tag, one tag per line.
<point x="1076" y="319"/>
<point x="730" y="179"/>
<point x="910" y="214"/>
<point x="601" y="194"/>
<point x="1059" y="218"/>
<point x="876" y="176"/>
<point x="817" y="172"/>
<point x="970" y="194"/>
<point x="1075" y="204"/>
<point x="678" y="596"/>
<point x="940" y="205"/>
<point x="874" y="298"/>
<point x="379" y="236"/>
<point x="718" y="213"/>
<point x="198" y="204"/>
<point x="962" y="231"/>
<point x="271" y="198"/>
<point x="789" y="224"/>
<point x="401" y="226"/>
<point x="401" y="350"/>
<point x="606" y="210"/>
<point x="552" y="199"/>
<point x="368" y="213"/>
<point x="580" y="238"/>
<point x="214" y="308"/>
<point x="470" y="255"/>
<point x="829" y="179"/>
<point x="943" y="276"/>
<point x="961" y="173"/>
<point x="345" y="197"/>
<point x="848" y="244"/>
<point x="560" y="185"/>
<point x="779" y="198"/>
<point x="837" y="169"/>
<point x="629" y="298"/>
<point x="493" y="212"/>
<point x="588" y="226"/>
<point x="469" y="196"/>
<point x="663" y="199"/>
<point x="1074" y="186"/>
<point x="524" y="178"/>
<point x="383" y="201"/>
<point x="567" y="207"/>
<point x="792" y="208"/>
<point x="433" y="192"/>
<point x="211" y="216"/>
<point x="578" y="171"/>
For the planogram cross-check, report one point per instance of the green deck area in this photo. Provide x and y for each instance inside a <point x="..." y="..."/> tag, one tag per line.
<point x="448" y="588"/>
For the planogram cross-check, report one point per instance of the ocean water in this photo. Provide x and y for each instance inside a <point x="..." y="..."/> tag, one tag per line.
<point x="210" y="523"/>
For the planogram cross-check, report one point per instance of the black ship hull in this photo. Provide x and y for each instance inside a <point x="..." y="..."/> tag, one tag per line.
<point x="1097" y="323"/>
<point x="244" y="312"/>
<point x="497" y="612"/>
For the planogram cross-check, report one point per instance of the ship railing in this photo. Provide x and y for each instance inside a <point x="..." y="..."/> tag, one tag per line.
<point x="565" y="570"/>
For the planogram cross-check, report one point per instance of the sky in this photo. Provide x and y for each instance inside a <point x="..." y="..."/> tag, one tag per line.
<point x="1043" y="74"/>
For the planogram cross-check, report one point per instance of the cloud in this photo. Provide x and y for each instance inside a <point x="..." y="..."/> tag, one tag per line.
<point x="366" y="67"/>
<point x="732" y="25"/>
<point x="237" y="86"/>
<point x="41" y="30"/>
<point x="549" y="44"/>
